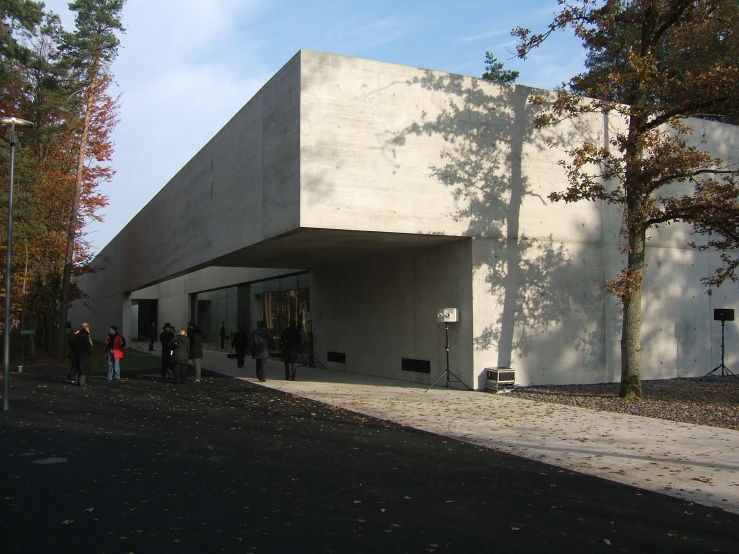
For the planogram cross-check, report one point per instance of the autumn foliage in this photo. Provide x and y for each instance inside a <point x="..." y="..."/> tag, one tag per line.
<point x="653" y="64"/>
<point x="38" y="84"/>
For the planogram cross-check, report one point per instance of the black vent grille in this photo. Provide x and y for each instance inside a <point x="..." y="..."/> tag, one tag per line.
<point x="339" y="357"/>
<point x="419" y="366"/>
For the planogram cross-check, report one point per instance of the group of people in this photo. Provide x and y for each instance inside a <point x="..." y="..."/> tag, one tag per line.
<point x="178" y="349"/>
<point x="80" y="354"/>
<point x="260" y="342"/>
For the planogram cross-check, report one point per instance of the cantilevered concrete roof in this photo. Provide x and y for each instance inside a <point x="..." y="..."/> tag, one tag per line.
<point x="339" y="157"/>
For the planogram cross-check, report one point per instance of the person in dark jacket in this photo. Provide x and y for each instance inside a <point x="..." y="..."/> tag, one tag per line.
<point x="196" y="347"/>
<point x="82" y="347"/>
<point x="240" y="343"/>
<point x="72" y="357"/>
<point x="223" y="335"/>
<point x="165" y="337"/>
<point x="290" y="344"/>
<point x="180" y="346"/>
<point x="259" y="346"/>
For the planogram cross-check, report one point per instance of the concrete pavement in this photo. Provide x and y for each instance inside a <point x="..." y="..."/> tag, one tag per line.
<point x="691" y="462"/>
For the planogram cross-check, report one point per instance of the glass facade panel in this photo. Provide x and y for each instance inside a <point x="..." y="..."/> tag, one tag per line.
<point x="282" y="299"/>
<point x="213" y="308"/>
<point x="274" y="301"/>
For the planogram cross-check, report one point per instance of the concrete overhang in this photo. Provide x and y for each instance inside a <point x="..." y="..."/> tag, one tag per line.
<point x="311" y="248"/>
<point x="311" y="171"/>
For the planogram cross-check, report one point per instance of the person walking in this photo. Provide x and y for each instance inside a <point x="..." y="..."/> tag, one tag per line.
<point x="196" y="348"/>
<point x="152" y="335"/>
<point x="82" y="347"/>
<point x="240" y="343"/>
<point x="72" y="357"/>
<point x="114" y="345"/>
<point x="223" y="335"/>
<point x="259" y="345"/>
<point x="166" y="337"/>
<point x="290" y="345"/>
<point x="180" y="346"/>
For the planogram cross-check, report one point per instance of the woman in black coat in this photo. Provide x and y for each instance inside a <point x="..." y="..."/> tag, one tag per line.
<point x="82" y="348"/>
<point x="180" y="346"/>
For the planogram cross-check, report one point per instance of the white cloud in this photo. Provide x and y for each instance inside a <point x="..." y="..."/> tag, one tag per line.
<point x="359" y="37"/>
<point x="483" y="36"/>
<point x="178" y="28"/>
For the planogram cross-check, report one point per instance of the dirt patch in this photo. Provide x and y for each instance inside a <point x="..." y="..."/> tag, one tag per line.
<point x="702" y="402"/>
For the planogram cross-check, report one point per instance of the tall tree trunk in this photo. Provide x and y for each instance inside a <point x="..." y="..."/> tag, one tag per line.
<point x="41" y="333"/>
<point x="49" y="330"/>
<point x="60" y="349"/>
<point x="637" y="233"/>
<point x="631" y="332"/>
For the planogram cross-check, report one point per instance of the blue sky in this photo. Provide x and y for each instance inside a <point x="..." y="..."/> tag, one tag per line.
<point x="187" y="66"/>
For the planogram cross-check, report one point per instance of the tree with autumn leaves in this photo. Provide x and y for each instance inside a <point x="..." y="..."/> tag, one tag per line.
<point x="87" y="54"/>
<point x="654" y="64"/>
<point x="61" y="82"/>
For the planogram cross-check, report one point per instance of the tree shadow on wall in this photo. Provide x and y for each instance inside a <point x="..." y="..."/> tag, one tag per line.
<point x="540" y="295"/>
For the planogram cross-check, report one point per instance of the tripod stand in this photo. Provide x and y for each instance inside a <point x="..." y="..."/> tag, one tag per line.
<point x="448" y="372"/>
<point x="724" y="370"/>
<point x="311" y="361"/>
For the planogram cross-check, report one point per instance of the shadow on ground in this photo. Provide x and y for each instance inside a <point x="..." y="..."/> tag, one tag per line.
<point x="228" y="466"/>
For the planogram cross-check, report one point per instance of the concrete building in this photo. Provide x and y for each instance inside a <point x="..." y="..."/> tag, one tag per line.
<point x="362" y="196"/>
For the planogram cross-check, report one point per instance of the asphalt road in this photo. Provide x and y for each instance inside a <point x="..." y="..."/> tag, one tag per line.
<point x="227" y="466"/>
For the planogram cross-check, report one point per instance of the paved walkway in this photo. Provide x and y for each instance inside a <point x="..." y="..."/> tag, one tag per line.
<point x="691" y="462"/>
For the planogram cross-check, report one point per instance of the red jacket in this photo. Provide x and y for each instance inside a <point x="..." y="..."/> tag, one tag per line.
<point x="117" y="346"/>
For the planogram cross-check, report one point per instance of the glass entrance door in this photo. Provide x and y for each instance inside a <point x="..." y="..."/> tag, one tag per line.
<point x="277" y="301"/>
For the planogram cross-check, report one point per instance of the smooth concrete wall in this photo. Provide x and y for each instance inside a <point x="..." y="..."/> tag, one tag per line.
<point x="538" y="308"/>
<point x="401" y="149"/>
<point x="383" y="309"/>
<point x="240" y="189"/>
<point x="390" y="148"/>
<point x="541" y="308"/>
<point x="680" y="337"/>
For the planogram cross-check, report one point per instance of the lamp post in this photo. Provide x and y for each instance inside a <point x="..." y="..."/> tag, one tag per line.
<point x="13" y="122"/>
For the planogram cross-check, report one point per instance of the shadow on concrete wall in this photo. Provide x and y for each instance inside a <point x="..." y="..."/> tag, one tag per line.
<point x="484" y="163"/>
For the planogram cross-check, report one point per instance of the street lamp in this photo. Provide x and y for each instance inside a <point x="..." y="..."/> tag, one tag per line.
<point x="13" y="122"/>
